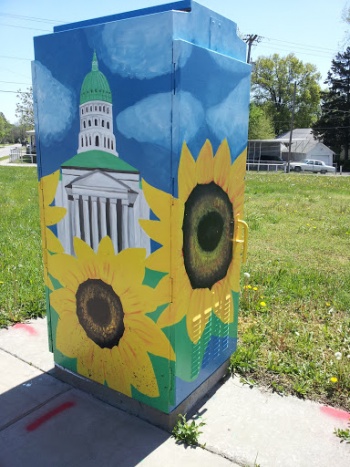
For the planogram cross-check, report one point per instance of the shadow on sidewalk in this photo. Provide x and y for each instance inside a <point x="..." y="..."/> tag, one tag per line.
<point x="46" y="422"/>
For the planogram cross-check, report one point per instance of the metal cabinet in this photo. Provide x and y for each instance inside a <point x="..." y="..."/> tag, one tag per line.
<point x="141" y="124"/>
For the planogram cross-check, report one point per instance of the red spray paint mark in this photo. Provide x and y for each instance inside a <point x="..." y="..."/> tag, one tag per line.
<point x="336" y="413"/>
<point x="44" y="418"/>
<point x="27" y="327"/>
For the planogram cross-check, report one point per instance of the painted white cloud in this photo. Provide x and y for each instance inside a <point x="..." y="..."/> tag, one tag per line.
<point x="149" y="120"/>
<point x="54" y="105"/>
<point x="229" y="119"/>
<point x="138" y="50"/>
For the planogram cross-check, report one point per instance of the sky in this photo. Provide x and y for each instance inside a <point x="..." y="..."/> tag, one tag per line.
<point x="313" y="35"/>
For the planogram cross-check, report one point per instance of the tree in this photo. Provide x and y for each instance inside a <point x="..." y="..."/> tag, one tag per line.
<point x="260" y="124"/>
<point x="273" y="88"/>
<point x="5" y="127"/>
<point x="25" y="108"/>
<point x="333" y="127"/>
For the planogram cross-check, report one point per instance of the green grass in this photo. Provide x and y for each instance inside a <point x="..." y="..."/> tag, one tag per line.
<point x="21" y="271"/>
<point x="295" y="306"/>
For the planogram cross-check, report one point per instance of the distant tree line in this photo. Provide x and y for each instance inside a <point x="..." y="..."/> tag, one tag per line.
<point x="16" y="133"/>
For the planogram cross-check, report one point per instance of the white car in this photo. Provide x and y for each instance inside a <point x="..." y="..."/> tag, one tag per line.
<point x="311" y="165"/>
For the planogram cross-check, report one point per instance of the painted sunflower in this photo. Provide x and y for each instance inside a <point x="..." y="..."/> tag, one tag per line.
<point x="102" y="308"/>
<point x="198" y="232"/>
<point x="49" y="215"/>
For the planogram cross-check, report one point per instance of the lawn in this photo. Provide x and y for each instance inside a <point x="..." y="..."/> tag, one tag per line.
<point x="295" y="307"/>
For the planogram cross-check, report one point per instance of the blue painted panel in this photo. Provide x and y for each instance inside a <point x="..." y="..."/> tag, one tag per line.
<point x="135" y="56"/>
<point x="184" y="5"/>
<point x="211" y="101"/>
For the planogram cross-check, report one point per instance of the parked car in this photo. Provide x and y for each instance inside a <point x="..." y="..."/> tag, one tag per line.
<point x="311" y="165"/>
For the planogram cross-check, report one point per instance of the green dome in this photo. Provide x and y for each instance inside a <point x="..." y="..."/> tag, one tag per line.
<point x="95" y="85"/>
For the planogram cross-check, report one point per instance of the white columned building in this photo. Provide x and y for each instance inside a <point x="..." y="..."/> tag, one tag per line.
<point x="101" y="192"/>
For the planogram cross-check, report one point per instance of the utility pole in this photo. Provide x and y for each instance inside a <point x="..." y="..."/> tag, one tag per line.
<point x="250" y="39"/>
<point x="291" y="127"/>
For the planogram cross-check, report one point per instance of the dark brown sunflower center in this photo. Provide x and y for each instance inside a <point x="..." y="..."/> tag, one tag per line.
<point x="100" y="313"/>
<point x="207" y="235"/>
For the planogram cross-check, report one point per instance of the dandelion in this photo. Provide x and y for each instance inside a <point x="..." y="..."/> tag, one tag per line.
<point x="328" y="304"/>
<point x="333" y="379"/>
<point x="249" y="286"/>
<point x="246" y="275"/>
<point x="338" y="355"/>
<point x="255" y="288"/>
<point x="262" y="304"/>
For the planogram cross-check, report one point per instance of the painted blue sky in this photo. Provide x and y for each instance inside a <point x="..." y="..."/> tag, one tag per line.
<point x="211" y="98"/>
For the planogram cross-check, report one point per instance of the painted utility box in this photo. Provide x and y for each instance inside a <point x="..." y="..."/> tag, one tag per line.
<point x="141" y="123"/>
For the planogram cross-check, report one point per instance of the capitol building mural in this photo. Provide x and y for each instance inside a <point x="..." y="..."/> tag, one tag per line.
<point x="101" y="192"/>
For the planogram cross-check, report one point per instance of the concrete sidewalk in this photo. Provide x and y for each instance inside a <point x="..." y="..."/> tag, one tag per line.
<point x="45" y="422"/>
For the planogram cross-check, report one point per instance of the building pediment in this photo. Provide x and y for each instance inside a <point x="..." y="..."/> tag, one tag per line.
<point x="98" y="183"/>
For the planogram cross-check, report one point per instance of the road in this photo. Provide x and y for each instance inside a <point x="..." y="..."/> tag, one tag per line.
<point x="6" y="151"/>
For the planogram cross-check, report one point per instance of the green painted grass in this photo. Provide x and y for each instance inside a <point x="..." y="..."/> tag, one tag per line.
<point x="295" y="307"/>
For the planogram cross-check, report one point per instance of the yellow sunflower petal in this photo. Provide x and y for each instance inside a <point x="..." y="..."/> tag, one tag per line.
<point x="159" y="260"/>
<point x="178" y="309"/>
<point x="154" y="230"/>
<point x="48" y="185"/>
<point x="199" y="313"/>
<point x="141" y="371"/>
<point x="65" y="269"/>
<point x="149" y="336"/>
<point x="106" y="247"/>
<point x="138" y="299"/>
<point x="223" y="306"/>
<point x="116" y="374"/>
<point x="159" y="201"/>
<point x="236" y="176"/>
<point x="187" y="173"/>
<point x="52" y="242"/>
<point x="233" y="273"/>
<point x="53" y="215"/>
<point x="129" y="268"/>
<point x="205" y="164"/>
<point x="82" y="249"/>
<point x="222" y="165"/>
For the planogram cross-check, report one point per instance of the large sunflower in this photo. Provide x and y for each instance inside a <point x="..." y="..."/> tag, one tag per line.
<point x="198" y="232"/>
<point x="102" y="308"/>
<point x="49" y="215"/>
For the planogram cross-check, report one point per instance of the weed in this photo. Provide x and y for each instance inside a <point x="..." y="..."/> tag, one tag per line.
<point x="344" y="435"/>
<point x="187" y="432"/>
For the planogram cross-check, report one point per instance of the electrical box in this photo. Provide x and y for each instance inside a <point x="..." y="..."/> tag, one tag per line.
<point x="141" y="130"/>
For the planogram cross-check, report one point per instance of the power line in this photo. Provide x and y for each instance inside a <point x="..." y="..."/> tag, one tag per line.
<point x="14" y="82"/>
<point x="299" y="44"/>
<point x="24" y="27"/>
<point x="14" y="92"/>
<point x="31" y="18"/>
<point x="14" y="58"/>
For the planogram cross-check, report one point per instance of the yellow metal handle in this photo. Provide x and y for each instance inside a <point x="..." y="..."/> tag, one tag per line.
<point x="243" y="240"/>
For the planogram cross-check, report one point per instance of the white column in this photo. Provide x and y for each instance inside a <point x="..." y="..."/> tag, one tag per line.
<point x="131" y="223"/>
<point x="113" y="218"/>
<point x="94" y="222"/>
<point x="125" y="223"/>
<point x="86" y="214"/>
<point x="103" y="216"/>
<point x="71" y="226"/>
<point x="77" y="231"/>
